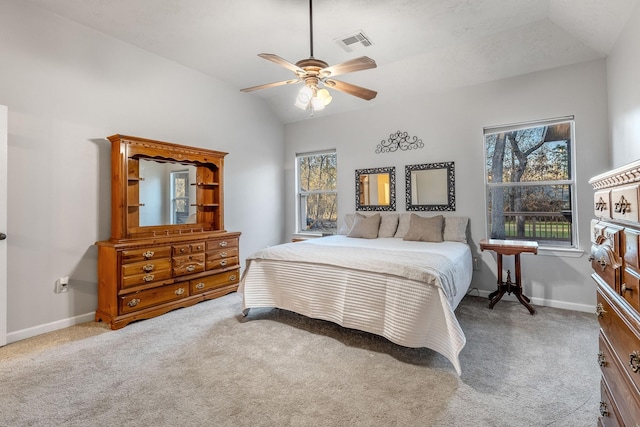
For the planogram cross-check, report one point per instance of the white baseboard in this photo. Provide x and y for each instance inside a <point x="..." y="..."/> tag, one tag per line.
<point x="49" y="327"/>
<point x="540" y="301"/>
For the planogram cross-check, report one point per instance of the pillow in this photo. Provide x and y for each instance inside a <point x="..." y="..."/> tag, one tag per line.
<point x="365" y="227"/>
<point x="348" y="224"/>
<point x="425" y="229"/>
<point x="388" y="225"/>
<point x="455" y="229"/>
<point x="403" y="225"/>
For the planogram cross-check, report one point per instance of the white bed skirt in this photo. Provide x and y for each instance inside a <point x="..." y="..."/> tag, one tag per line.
<point x="407" y="312"/>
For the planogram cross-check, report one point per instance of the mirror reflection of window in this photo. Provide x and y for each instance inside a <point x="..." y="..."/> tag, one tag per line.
<point x="180" y="197"/>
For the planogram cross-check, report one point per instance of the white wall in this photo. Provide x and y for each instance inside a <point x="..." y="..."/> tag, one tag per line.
<point x="67" y="88"/>
<point x="623" y="73"/>
<point x="451" y="126"/>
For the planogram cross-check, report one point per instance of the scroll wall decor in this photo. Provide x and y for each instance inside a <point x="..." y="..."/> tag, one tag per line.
<point x="399" y="140"/>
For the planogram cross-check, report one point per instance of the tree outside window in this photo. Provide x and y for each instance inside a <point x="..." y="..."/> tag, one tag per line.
<point x="530" y="182"/>
<point x="317" y="194"/>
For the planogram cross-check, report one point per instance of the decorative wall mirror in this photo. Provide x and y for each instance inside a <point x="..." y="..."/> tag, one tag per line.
<point x="431" y="187"/>
<point x="376" y="189"/>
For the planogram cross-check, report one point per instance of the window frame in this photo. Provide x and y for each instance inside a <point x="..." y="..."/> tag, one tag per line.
<point x="571" y="183"/>
<point x="299" y="194"/>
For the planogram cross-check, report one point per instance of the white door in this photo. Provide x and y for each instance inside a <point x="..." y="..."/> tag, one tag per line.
<point x="3" y="223"/>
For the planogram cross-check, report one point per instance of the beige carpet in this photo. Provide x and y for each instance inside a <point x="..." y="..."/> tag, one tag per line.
<point x="207" y="366"/>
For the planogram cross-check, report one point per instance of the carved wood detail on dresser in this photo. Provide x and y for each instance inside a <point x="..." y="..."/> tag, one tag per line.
<point x="616" y="271"/>
<point x="147" y="270"/>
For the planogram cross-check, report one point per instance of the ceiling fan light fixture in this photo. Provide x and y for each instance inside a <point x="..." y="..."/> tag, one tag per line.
<point x="324" y="96"/>
<point x="304" y="97"/>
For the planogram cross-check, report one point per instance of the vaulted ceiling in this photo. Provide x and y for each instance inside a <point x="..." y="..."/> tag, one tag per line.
<point x="420" y="46"/>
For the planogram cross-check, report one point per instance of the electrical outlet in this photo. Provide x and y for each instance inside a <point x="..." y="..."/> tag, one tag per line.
<point x="476" y="263"/>
<point x="62" y="285"/>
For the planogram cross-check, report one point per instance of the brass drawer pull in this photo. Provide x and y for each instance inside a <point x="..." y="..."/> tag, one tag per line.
<point x="148" y="254"/>
<point x="600" y="311"/>
<point x="232" y="278"/>
<point x="601" y="359"/>
<point x="223" y="244"/>
<point x="200" y="285"/>
<point x="603" y="409"/>
<point x="191" y="268"/>
<point x="601" y="205"/>
<point x="148" y="277"/>
<point x="223" y="254"/>
<point x="634" y="361"/>
<point x="133" y="302"/>
<point x="182" y="250"/>
<point x="198" y="248"/>
<point x="179" y="291"/>
<point x="148" y="267"/>
<point x="223" y="262"/>
<point x="623" y="206"/>
<point x="625" y="288"/>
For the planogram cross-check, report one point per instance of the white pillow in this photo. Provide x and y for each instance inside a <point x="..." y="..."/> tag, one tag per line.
<point x="388" y="225"/>
<point x="455" y="228"/>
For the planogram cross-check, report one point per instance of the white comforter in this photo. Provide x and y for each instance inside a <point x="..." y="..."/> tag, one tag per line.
<point x="405" y="291"/>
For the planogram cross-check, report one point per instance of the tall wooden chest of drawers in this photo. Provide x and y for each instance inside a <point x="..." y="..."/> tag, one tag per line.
<point x="616" y="271"/>
<point x="168" y="246"/>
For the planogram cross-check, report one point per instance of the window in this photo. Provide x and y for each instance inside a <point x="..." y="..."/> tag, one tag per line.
<point x="530" y="182"/>
<point x="317" y="196"/>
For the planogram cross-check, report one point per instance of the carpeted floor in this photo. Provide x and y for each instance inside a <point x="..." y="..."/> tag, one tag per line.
<point x="206" y="365"/>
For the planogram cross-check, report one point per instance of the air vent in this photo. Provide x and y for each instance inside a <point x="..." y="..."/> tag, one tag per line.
<point x="354" y="41"/>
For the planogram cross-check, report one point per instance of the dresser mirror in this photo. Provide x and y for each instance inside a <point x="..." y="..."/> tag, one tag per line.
<point x="165" y="188"/>
<point x="166" y="193"/>
<point x="430" y="187"/>
<point x="376" y="189"/>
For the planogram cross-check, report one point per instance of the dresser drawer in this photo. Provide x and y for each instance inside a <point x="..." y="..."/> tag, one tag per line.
<point x="144" y="278"/>
<point x="216" y="263"/>
<point x="602" y="204"/>
<point x="630" y="288"/>
<point x="216" y="281"/>
<point x="188" y="264"/>
<point x="143" y="299"/>
<point x="618" y="385"/>
<point x="624" y="202"/>
<point x="222" y="253"/>
<point x="146" y="267"/>
<point x="222" y="244"/>
<point x="622" y="336"/>
<point x="631" y="249"/>
<point x="608" y="412"/>
<point x="145" y="254"/>
<point x="188" y="248"/>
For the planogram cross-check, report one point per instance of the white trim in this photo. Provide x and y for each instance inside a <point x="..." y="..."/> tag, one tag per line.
<point x="541" y="302"/>
<point x="49" y="327"/>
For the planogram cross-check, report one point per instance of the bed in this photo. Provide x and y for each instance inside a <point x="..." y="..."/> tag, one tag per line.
<point x="403" y="290"/>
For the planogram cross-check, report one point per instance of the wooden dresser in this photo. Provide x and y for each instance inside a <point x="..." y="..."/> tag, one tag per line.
<point x="168" y="247"/>
<point x="615" y="236"/>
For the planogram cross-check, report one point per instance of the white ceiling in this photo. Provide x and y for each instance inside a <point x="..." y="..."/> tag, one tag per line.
<point x="432" y="45"/>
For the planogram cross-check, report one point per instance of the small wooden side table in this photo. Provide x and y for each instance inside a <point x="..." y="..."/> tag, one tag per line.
<point x="509" y="247"/>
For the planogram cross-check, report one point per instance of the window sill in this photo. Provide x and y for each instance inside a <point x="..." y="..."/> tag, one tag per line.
<point x="560" y="252"/>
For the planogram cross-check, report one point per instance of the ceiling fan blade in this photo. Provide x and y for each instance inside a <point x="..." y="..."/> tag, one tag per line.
<point x="282" y="62"/>
<point x="268" y="85"/>
<point x="360" y="92"/>
<point x="357" y="64"/>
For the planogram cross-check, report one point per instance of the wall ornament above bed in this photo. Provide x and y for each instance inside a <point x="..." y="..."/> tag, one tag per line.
<point x="399" y="140"/>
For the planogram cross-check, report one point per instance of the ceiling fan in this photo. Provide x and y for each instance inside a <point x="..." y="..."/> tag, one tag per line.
<point x="315" y="73"/>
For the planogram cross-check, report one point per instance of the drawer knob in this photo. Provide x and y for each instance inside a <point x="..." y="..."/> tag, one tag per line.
<point x="601" y="205"/>
<point x="148" y="254"/>
<point x="223" y="262"/>
<point x="182" y="250"/>
<point x="600" y="311"/>
<point x="623" y="206"/>
<point x="148" y="267"/>
<point x="200" y="285"/>
<point x="232" y="278"/>
<point x="223" y="254"/>
<point x="133" y="302"/>
<point x="601" y="359"/>
<point x="179" y="291"/>
<point x="625" y="288"/>
<point x="634" y="361"/>
<point x="191" y="268"/>
<point x="603" y="409"/>
<point x="223" y="244"/>
<point x="148" y="277"/>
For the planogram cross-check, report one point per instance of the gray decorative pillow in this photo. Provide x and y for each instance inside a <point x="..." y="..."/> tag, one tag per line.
<point x="403" y="225"/>
<point x="455" y="229"/>
<point x="365" y="227"/>
<point x="388" y="225"/>
<point x="425" y="229"/>
<point x="348" y="224"/>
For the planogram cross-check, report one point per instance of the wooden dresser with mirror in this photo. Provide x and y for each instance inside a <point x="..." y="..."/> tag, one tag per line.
<point x="615" y="235"/>
<point x="168" y="246"/>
